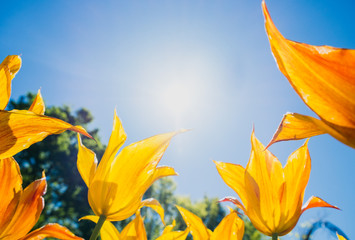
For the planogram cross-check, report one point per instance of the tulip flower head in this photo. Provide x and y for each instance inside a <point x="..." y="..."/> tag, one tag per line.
<point x="117" y="184"/>
<point x="324" y="77"/>
<point x="19" y="129"/>
<point x="230" y="228"/>
<point x="20" y="209"/>
<point x="271" y="195"/>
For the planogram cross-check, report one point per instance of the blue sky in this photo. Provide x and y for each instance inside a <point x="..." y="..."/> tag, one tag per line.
<point x="166" y="65"/>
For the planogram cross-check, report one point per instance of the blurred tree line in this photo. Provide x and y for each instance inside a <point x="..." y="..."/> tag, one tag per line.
<point x="66" y="197"/>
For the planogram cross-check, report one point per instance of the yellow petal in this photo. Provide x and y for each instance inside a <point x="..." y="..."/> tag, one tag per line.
<point x="297" y="171"/>
<point x="20" y="129"/>
<point x="197" y="228"/>
<point x="323" y="76"/>
<point x="53" y="230"/>
<point x="175" y="235"/>
<point x="117" y="138"/>
<point x="28" y="210"/>
<point x="169" y="228"/>
<point x="10" y="189"/>
<point x="340" y="237"/>
<point x="296" y="126"/>
<point x="264" y="180"/>
<point x="86" y="163"/>
<point x="316" y="202"/>
<point x="233" y="176"/>
<point x="155" y="205"/>
<point x="108" y="230"/>
<point x="135" y="229"/>
<point x="38" y="105"/>
<point x="230" y="228"/>
<point x="117" y="193"/>
<point x="8" y="69"/>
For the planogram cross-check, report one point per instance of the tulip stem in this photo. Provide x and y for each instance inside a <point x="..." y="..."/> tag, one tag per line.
<point x="97" y="228"/>
<point x="274" y="236"/>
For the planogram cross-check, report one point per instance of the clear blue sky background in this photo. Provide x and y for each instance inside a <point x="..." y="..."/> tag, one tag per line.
<point x="202" y="65"/>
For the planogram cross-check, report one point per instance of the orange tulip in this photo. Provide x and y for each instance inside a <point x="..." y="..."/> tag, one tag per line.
<point x="20" y="209"/>
<point x="230" y="228"/>
<point x="21" y="129"/>
<point x="324" y="77"/>
<point x="117" y="184"/>
<point x="271" y="196"/>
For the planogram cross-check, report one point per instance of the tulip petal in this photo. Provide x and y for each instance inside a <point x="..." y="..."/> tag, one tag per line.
<point x="233" y="200"/>
<point x="323" y="76"/>
<point x="117" y="138"/>
<point x="296" y="126"/>
<point x="155" y="205"/>
<point x="175" y="235"/>
<point x="264" y="180"/>
<point x="28" y="210"/>
<point x="135" y="229"/>
<point x="108" y="230"/>
<point x="297" y="171"/>
<point x="8" y="69"/>
<point x="53" y="230"/>
<point x="233" y="176"/>
<point x="230" y="228"/>
<point x="21" y="128"/>
<point x="197" y="228"/>
<point x="10" y="189"/>
<point x="38" y="105"/>
<point x="316" y="202"/>
<point x="86" y="163"/>
<point x="131" y="174"/>
<point x="340" y="237"/>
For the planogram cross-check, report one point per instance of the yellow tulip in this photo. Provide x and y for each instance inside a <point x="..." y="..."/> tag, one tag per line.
<point x="20" y="129"/>
<point x="20" y="209"/>
<point x="271" y="195"/>
<point x="117" y="184"/>
<point x="324" y="77"/>
<point x="230" y="228"/>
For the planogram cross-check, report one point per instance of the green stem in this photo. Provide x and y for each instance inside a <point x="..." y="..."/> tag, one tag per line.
<point x="274" y="236"/>
<point x="97" y="228"/>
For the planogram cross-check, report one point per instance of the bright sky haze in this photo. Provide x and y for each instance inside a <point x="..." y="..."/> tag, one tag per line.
<point x="200" y="65"/>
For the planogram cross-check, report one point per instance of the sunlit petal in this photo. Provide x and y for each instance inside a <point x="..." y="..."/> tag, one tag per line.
<point x="10" y="189"/>
<point x="323" y="76"/>
<point x="28" y="210"/>
<point x="38" y="105"/>
<point x="51" y="230"/>
<point x="230" y="228"/>
<point x="174" y="235"/>
<point x="155" y="205"/>
<point x="86" y="163"/>
<point x="233" y="176"/>
<point x="117" y="138"/>
<point x="197" y="228"/>
<point x="264" y="180"/>
<point x="316" y="202"/>
<point x="8" y="69"/>
<point x="20" y="129"/>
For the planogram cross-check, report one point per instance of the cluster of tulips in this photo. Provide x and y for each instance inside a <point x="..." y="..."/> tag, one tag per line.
<point x="269" y="194"/>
